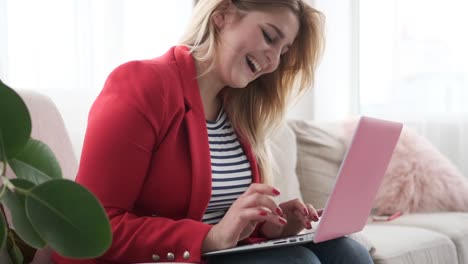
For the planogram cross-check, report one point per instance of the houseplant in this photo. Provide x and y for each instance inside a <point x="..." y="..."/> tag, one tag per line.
<point x="45" y="209"/>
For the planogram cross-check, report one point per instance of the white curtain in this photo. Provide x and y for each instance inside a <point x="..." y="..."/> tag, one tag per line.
<point x="404" y="60"/>
<point x="334" y="92"/>
<point x="66" y="48"/>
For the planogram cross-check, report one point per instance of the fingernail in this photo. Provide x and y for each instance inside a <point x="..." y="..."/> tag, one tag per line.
<point x="282" y="220"/>
<point x="306" y="212"/>
<point x="308" y="226"/>
<point x="279" y="211"/>
<point x="276" y="192"/>
<point x="263" y="213"/>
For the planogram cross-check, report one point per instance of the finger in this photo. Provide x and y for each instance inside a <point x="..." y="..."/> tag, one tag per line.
<point x="320" y="212"/>
<point x="263" y="201"/>
<point x="261" y="188"/>
<point x="312" y="213"/>
<point x="295" y="204"/>
<point x="259" y="215"/>
<point x="303" y="219"/>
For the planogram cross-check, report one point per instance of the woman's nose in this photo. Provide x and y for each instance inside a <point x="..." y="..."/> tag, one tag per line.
<point x="273" y="55"/>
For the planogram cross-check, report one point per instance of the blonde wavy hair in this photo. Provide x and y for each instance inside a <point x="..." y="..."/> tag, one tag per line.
<point x="258" y="108"/>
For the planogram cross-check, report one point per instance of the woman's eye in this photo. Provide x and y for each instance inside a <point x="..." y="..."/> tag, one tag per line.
<point x="267" y="37"/>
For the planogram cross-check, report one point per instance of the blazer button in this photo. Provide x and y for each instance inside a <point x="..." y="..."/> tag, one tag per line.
<point x="170" y="256"/>
<point x="155" y="257"/>
<point x="186" y="255"/>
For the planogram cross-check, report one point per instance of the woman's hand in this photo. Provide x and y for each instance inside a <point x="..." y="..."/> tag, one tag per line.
<point x="253" y="206"/>
<point x="298" y="216"/>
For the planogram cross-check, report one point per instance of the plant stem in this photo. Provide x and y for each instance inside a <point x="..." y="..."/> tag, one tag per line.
<point x="8" y="183"/>
<point x="3" y="155"/>
<point x="3" y="190"/>
<point x="3" y="210"/>
<point x="4" y="166"/>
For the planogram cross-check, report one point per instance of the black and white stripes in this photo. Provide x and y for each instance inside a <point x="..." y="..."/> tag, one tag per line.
<point x="231" y="174"/>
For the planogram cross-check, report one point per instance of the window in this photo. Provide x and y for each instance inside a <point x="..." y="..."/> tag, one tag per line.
<point x="66" y="48"/>
<point x="413" y="57"/>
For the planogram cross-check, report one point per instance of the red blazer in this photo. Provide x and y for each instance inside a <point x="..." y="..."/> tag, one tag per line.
<point x="146" y="157"/>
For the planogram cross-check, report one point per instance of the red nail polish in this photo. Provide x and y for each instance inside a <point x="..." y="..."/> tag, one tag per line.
<point x="309" y="226"/>
<point x="263" y="213"/>
<point x="276" y="192"/>
<point x="282" y="221"/>
<point x="279" y="211"/>
<point x="306" y="212"/>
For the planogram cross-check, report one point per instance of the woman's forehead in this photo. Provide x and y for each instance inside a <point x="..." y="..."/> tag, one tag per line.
<point x="282" y="19"/>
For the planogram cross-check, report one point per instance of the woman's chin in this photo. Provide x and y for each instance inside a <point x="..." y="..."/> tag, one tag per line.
<point x="239" y="84"/>
<point x="240" y="78"/>
<point x="242" y="86"/>
<point x="242" y="83"/>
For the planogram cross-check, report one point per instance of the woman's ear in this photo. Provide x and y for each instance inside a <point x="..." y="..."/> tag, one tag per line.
<point x="219" y="19"/>
<point x="221" y="14"/>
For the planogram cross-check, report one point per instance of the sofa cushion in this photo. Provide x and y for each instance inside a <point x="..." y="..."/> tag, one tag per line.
<point x="49" y="127"/>
<point x="283" y="148"/>
<point x="319" y="155"/>
<point x="408" y="245"/>
<point x="453" y="225"/>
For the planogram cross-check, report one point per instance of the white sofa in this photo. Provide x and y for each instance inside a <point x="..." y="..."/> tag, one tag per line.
<point x="417" y="238"/>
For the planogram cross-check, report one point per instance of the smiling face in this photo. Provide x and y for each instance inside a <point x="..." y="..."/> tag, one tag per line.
<point x="250" y="43"/>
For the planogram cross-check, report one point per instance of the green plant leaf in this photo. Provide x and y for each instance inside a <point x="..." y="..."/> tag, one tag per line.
<point x="15" y="201"/>
<point x="36" y="163"/>
<point x="69" y="218"/>
<point x="27" y="251"/>
<point x="3" y="230"/>
<point x="14" y="251"/>
<point x="15" y="121"/>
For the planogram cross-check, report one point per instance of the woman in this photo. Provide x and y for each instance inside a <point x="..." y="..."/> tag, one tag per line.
<point x="175" y="146"/>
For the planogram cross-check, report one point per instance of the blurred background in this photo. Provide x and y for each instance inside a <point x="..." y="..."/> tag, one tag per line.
<point x="403" y="60"/>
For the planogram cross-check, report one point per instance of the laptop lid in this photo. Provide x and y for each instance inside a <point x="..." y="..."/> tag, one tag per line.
<point x="359" y="178"/>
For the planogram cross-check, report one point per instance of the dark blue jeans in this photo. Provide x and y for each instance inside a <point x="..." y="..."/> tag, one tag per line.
<point x="337" y="251"/>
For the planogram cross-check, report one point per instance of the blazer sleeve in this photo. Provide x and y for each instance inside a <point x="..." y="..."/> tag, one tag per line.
<point x="119" y="141"/>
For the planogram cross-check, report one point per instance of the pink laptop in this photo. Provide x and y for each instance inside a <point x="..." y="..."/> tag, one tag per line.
<point x="356" y="186"/>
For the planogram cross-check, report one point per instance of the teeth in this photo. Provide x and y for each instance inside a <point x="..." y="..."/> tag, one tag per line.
<point x="255" y="63"/>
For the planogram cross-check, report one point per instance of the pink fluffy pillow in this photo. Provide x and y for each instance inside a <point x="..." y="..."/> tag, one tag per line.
<point x="419" y="178"/>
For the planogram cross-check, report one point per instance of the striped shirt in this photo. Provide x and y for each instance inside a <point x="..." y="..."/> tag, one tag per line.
<point x="231" y="174"/>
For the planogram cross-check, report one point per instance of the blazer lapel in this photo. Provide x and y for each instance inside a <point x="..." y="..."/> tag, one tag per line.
<point x="197" y="135"/>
